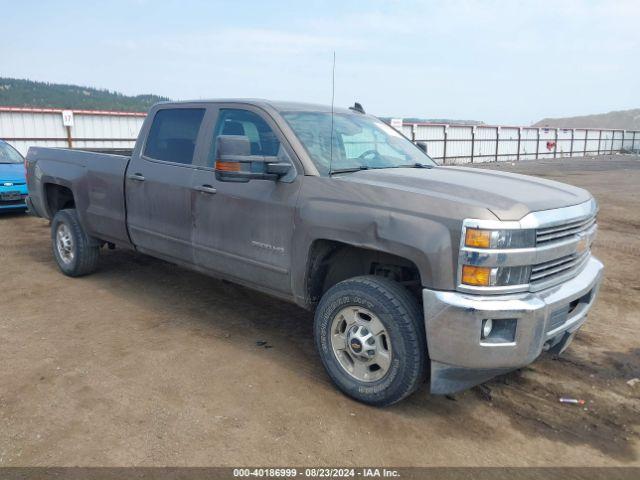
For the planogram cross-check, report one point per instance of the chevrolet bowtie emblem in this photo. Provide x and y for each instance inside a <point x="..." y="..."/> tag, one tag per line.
<point x="583" y="244"/>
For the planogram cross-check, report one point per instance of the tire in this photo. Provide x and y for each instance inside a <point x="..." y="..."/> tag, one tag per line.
<point x="402" y="346"/>
<point x="75" y="252"/>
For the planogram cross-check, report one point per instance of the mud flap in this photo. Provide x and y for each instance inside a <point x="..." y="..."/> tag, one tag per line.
<point x="559" y="347"/>
<point x="447" y="379"/>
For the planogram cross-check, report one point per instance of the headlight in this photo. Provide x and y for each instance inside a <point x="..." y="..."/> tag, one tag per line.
<point x="481" y="238"/>
<point x="495" y="276"/>
<point x="489" y="256"/>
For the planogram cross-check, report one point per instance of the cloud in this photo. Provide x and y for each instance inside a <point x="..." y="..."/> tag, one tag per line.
<point x="494" y="60"/>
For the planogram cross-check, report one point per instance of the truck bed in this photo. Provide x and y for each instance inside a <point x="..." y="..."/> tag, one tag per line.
<point x="125" y="152"/>
<point x="97" y="183"/>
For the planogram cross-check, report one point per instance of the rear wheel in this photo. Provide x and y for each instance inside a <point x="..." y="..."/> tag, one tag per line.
<point x="370" y="335"/>
<point x="75" y="252"/>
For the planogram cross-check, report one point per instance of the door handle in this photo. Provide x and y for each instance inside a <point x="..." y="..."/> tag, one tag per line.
<point x="138" y="177"/>
<point x="205" y="189"/>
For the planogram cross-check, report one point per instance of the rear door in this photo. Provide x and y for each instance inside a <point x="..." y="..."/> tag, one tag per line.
<point x="244" y="230"/>
<point x="159" y="181"/>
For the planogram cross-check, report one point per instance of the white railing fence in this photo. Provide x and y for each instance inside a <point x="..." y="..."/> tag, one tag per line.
<point x="449" y="144"/>
<point x="461" y="144"/>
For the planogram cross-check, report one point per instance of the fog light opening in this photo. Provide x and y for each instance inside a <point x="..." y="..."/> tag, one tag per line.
<point x="487" y="326"/>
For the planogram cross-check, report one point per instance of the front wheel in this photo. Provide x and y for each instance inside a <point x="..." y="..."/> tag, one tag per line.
<point x="74" y="251"/>
<point x="370" y="335"/>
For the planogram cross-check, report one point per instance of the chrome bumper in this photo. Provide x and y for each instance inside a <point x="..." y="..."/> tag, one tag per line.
<point x="545" y="320"/>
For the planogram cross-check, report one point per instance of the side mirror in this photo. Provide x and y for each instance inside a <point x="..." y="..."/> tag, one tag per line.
<point x="422" y="146"/>
<point x="234" y="162"/>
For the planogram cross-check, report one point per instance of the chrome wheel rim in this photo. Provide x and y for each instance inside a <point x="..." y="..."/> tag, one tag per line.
<point x="361" y="344"/>
<point x="64" y="243"/>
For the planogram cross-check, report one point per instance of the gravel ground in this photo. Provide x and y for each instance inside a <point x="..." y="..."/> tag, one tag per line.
<point x="144" y="363"/>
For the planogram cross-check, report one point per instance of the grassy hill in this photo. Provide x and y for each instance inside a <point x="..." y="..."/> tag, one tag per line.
<point x="622" y="119"/>
<point x="26" y="93"/>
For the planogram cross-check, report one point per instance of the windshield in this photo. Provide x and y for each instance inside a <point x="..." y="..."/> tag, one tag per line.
<point x="8" y="154"/>
<point x="359" y="142"/>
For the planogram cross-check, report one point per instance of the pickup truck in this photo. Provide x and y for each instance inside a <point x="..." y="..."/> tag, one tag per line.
<point x="414" y="271"/>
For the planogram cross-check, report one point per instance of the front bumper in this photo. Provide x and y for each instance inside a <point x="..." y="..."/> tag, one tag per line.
<point x="14" y="203"/>
<point x="545" y="320"/>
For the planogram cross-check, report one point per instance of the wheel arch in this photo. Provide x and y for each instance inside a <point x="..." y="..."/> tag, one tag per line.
<point x="57" y="197"/>
<point x="330" y="261"/>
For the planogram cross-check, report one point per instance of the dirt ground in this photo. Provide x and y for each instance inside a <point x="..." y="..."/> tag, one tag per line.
<point x="144" y="363"/>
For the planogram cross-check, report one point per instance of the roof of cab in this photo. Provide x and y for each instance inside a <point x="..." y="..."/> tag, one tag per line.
<point x="280" y="106"/>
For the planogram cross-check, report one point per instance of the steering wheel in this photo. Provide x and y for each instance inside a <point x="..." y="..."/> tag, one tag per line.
<point x="370" y="154"/>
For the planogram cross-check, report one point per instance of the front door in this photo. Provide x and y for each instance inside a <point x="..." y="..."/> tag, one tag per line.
<point x="244" y="230"/>
<point x="158" y="185"/>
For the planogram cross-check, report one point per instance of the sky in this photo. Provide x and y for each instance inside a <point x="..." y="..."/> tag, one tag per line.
<point x="501" y="62"/>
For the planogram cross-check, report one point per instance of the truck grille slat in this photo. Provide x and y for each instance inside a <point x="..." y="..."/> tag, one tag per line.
<point x="553" y="263"/>
<point x="544" y="271"/>
<point x="546" y="235"/>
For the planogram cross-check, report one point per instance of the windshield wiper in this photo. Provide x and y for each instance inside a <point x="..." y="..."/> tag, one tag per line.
<point x="349" y="170"/>
<point x="415" y="165"/>
<point x="366" y="167"/>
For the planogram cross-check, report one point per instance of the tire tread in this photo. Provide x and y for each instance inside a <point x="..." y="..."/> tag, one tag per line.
<point x="86" y="253"/>
<point x="409" y="321"/>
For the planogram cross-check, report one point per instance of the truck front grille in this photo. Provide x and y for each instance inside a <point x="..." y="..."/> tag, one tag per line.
<point x="560" y="267"/>
<point x="561" y="232"/>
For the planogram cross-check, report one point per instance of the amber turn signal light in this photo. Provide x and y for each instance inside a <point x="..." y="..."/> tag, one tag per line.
<point x="474" y="237"/>
<point x="228" y="166"/>
<point x="477" y="276"/>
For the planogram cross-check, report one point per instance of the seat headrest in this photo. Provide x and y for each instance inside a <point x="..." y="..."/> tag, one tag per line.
<point x="232" y="127"/>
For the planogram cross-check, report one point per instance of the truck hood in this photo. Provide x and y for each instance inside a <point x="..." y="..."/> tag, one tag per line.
<point x="11" y="172"/>
<point x="509" y="196"/>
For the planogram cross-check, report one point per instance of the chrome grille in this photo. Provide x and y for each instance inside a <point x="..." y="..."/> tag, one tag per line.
<point x="560" y="266"/>
<point x="564" y="231"/>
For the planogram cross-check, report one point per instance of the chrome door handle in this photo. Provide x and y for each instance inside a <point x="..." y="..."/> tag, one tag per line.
<point x="206" y="189"/>
<point x="138" y="177"/>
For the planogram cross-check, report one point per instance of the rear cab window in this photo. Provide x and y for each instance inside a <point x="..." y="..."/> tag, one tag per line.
<point x="173" y="134"/>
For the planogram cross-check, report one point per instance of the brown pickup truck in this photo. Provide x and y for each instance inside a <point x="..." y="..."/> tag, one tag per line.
<point x="415" y="271"/>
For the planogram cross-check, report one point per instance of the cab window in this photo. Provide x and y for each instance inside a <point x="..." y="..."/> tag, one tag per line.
<point x="262" y="138"/>
<point x="173" y="134"/>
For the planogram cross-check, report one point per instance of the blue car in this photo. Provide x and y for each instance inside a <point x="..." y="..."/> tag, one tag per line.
<point x="13" y="183"/>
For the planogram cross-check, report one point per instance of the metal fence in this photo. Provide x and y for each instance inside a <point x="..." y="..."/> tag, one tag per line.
<point x="50" y="127"/>
<point x="451" y="144"/>
<point x="461" y="144"/>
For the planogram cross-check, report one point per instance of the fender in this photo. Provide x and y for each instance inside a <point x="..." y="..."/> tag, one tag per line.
<point x="425" y="242"/>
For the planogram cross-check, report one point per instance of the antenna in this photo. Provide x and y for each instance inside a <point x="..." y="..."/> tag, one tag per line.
<point x="333" y="92"/>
